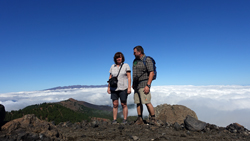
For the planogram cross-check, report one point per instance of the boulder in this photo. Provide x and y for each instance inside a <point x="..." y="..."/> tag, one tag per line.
<point x="177" y="127"/>
<point x="32" y="125"/>
<point x="173" y="113"/>
<point x="236" y="127"/>
<point x="2" y="114"/>
<point x="194" y="124"/>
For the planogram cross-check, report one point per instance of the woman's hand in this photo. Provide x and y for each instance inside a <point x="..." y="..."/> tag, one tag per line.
<point x="129" y="90"/>
<point x="109" y="92"/>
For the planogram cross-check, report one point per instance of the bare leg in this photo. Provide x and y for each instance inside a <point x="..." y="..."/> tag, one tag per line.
<point x="150" y="109"/>
<point x="139" y="109"/>
<point x="115" y="109"/>
<point x="124" y="109"/>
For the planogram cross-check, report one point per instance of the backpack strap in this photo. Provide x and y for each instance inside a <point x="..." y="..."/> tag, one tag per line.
<point x="144" y="62"/>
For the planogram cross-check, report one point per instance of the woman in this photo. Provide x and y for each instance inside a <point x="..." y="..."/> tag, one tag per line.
<point x="123" y="87"/>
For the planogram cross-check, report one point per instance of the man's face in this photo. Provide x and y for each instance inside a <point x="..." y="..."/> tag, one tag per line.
<point x="137" y="54"/>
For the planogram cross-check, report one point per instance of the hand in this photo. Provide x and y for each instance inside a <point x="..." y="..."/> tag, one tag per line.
<point x="109" y="92"/>
<point x="129" y="90"/>
<point x="146" y="90"/>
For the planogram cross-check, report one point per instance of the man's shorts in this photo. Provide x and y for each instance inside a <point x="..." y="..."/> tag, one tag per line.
<point x="142" y="98"/>
<point x="123" y="95"/>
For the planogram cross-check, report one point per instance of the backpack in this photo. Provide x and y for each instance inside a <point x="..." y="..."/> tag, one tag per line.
<point x="144" y="62"/>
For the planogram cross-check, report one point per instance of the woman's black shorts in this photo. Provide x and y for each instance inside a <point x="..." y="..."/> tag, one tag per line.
<point x="123" y="95"/>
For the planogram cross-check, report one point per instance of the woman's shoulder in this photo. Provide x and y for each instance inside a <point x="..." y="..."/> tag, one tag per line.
<point x="112" y="66"/>
<point x="125" y="64"/>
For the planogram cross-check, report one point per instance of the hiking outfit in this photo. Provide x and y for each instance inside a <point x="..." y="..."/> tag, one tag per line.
<point x="121" y="90"/>
<point x="142" y="71"/>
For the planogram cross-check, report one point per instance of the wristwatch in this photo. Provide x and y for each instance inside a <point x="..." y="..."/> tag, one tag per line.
<point x="148" y="86"/>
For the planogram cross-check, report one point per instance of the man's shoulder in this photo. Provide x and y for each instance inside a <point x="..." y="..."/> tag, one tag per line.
<point x="148" y="59"/>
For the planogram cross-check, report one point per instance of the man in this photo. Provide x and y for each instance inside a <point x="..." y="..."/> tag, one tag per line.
<point x="142" y="79"/>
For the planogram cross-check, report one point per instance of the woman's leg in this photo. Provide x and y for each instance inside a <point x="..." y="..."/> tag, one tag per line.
<point x="124" y="109"/>
<point x="115" y="109"/>
<point x="123" y="97"/>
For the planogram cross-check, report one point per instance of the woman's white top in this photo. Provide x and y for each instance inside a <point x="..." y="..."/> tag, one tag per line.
<point x="122" y="78"/>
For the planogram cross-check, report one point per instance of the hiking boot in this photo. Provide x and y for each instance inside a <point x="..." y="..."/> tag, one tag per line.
<point x="124" y="122"/>
<point x="153" y="121"/>
<point x="139" y="121"/>
<point x="114" y="122"/>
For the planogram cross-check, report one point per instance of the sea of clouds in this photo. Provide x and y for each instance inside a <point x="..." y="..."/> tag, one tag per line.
<point x="218" y="104"/>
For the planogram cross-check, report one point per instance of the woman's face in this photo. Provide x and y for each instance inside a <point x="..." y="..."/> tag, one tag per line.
<point x="119" y="60"/>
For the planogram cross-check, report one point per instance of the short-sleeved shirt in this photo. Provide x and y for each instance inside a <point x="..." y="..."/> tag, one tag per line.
<point x="140" y="70"/>
<point x="122" y="78"/>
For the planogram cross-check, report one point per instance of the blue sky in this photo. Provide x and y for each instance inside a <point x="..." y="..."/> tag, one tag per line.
<point x="44" y="44"/>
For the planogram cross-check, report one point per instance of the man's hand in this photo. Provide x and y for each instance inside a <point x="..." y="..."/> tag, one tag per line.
<point x="146" y="90"/>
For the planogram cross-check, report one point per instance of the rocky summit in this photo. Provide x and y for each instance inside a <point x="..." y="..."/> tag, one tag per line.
<point x="31" y="128"/>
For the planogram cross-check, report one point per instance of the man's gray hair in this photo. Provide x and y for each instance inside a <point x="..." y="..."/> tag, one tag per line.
<point x="139" y="49"/>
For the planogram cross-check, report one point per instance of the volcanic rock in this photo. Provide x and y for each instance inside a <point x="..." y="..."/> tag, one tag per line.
<point x="173" y="113"/>
<point x="237" y="128"/>
<point x="177" y="127"/>
<point x="30" y="127"/>
<point x="193" y="124"/>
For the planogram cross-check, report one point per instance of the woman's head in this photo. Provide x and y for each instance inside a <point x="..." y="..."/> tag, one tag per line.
<point x="119" y="58"/>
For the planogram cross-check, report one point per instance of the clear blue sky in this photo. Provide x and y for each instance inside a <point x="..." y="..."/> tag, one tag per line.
<point x="49" y="43"/>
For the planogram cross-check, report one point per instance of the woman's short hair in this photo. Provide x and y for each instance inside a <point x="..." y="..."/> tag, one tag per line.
<point x="139" y="49"/>
<point x="118" y="55"/>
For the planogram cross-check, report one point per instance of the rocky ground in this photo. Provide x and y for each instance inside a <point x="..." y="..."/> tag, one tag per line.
<point x="31" y="128"/>
<point x="148" y="132"/>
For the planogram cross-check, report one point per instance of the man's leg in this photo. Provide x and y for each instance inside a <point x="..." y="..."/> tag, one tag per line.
<point x="139" y="109"/>
<point x="137" y="99"/>
<point x="150" y="109"/>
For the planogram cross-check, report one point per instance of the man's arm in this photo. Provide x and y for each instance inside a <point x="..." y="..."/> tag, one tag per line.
<point x="150" y="78"/>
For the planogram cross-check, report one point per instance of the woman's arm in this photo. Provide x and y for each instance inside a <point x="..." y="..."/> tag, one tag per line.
<point x="109" y="92"/>
<point x="129" y="81"/>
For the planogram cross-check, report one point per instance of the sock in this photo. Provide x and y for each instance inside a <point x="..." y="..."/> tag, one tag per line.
<point x="140" y="116"/>
<point x="152" y="115"/>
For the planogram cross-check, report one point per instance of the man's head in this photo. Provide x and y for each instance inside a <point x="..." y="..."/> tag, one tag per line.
<point x="138" y="51"/>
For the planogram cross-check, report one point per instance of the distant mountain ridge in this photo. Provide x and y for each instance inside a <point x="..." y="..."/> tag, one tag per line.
<point x="77" y="105"/>
<point x="78" y="86"/>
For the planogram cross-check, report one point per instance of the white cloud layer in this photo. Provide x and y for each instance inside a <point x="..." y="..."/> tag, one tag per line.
<point x="220" y="105"/>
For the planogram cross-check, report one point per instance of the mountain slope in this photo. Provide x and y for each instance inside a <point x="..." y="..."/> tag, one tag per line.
<point x="69" y="110"/>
